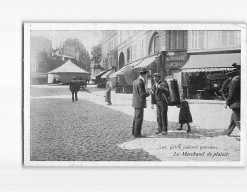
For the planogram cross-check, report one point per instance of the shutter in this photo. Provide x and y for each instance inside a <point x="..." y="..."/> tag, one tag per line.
<point x="201" y="39"/>
<point x="224" y="38"/>
<point x="232" y="38"/>
<point x="192" y="39"/>
<point x="196" y="39"/>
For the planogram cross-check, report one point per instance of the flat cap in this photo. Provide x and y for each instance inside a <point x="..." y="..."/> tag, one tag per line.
<point x="144" y="70"/>
<point x="157" y="75"/>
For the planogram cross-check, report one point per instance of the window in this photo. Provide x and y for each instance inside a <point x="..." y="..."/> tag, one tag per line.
<point x="176" y="39"/>
<point x="228" y="38"/>
<point x="224" y="38"/>
<point x="154" y="45"/>
<point x="198" y="39"/>
<point x="201" y="39"/>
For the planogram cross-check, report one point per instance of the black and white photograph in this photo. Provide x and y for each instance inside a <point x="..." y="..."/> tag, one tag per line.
<point x="134" y="94"/>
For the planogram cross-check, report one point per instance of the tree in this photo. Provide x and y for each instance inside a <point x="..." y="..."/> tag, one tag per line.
<point x="84" y="58"/>
<point x="96" y="53"/>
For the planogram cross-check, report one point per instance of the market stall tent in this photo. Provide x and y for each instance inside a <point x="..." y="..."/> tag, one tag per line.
<point x="66" y="72"/>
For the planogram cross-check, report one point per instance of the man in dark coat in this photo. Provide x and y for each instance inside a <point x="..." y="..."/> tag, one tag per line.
<point x="233" y="101"/>
<point x="139" y="102"/>
<point x="160" y="93"/>
<point x="74" y="88"/>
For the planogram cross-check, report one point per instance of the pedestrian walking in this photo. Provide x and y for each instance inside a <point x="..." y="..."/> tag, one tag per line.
<point x="108" y="91"/>
<point x="159" y="96"/>
<point x="184" y="114"/>
<point x="74" y="88"/>
<point x="139" y="102"/>
<point x="233" y="101"/>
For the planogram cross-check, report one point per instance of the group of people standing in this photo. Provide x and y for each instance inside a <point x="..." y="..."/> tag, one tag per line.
<point x="159" y="96"/>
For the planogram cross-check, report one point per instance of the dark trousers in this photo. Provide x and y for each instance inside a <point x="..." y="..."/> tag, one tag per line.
<point x="161" y="109"/>
<point x="74" y="94"/>
<point x="234" y="121"/>
<point x="137" y="122"/>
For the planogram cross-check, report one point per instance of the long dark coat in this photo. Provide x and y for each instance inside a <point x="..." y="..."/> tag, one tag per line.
<point x="233" y="99"/>
<point x="74" y="86"/>
<point x="139" y="94"/>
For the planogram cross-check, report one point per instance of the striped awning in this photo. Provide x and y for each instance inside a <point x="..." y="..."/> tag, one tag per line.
<point x="211" y="62"/>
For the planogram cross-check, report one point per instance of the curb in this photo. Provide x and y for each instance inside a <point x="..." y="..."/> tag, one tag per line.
<point x="190" y="101"/>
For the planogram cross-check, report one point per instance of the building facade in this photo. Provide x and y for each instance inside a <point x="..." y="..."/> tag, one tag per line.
<point x="109" y="50"/>
<point x="166" y="51"/>
<point x="159" y="50"/>
<point x="211" y="55"/>
<point x="40" y="52"/>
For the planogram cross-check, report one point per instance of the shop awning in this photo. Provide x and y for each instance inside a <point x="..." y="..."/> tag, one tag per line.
<point x="125" y="69"/>
<point x="99" y="74"/>
<point x="146" y="62"/>
<point x="121" y="71"/>
<point x="107" y="74"/>
<point x="211" y="62"/>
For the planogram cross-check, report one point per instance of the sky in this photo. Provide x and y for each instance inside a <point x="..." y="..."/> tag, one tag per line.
<point x="89" y="38"/>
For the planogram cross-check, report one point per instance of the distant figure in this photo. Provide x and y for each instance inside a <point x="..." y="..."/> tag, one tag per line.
<point x="108" y="91"/>
<point x="74" y="88"/>
<point x="184" y="114"/>
<point x="160" y="93"/>
<point x="139" y="102"/>
<point x="233" y="101"/>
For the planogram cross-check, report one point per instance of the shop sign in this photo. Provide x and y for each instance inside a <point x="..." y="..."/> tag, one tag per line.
<point x="176" y="59"/>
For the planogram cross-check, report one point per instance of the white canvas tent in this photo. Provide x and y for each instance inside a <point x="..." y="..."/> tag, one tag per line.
<point x="66" y="72"/>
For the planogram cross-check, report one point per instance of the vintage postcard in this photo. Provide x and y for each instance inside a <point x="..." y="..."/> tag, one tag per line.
<point x="124" y="94"/>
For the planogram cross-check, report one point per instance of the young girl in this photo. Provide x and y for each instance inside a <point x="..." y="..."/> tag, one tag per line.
<point x="184" y="114"/>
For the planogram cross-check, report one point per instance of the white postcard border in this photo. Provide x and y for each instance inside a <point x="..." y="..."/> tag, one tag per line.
<point x="28" y="27"/>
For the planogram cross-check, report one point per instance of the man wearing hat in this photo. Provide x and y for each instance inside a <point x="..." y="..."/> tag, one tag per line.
<point x="74" y="88"/>
<point x="160" y="92"/>
<point x="139" y="102"/>
<point x="233" y="101"/>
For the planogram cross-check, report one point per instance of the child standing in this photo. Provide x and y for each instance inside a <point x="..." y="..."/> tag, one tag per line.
<point x="184" y="114"/>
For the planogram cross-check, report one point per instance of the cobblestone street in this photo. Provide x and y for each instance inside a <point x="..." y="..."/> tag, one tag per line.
<point x="88" y="130"/>
<point x="82" y="131"/>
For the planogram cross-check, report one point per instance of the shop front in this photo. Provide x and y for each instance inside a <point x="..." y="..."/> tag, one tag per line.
<point x="175" y="60"/>
<point x="153" y="64"/>
<point x="123" y="78"/>
<point x="204" y="75"/>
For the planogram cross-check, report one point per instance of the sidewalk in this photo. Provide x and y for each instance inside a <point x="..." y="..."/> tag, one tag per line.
<point x="210" y="119"/>
<point x="205" y="139"/>
<point x="207" y="114"/>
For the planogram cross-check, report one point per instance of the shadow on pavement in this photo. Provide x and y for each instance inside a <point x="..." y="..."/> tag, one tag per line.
<point x="194" y="134"/>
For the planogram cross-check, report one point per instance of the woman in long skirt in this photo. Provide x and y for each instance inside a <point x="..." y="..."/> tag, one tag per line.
<point x="108" y="92"/>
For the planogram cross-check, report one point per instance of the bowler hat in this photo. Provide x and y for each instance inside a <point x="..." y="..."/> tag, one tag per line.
<point x="144" y="70"/>
<point x="157" y="75"/>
